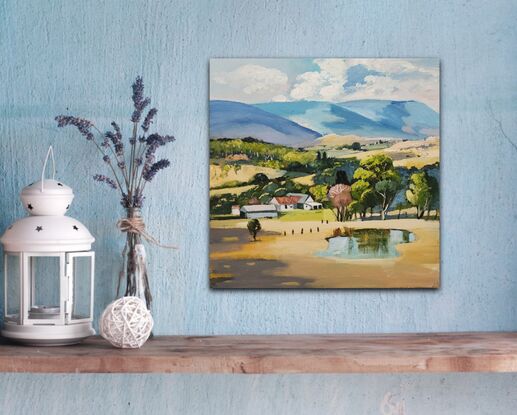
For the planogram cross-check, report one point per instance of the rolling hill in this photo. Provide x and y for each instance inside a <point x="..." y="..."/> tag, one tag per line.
<point x="230" y="119"/>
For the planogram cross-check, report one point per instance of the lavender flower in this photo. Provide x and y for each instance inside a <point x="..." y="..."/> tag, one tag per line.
<point x="155" y="168"/>
<point x="80" y="123"/>
<point x="156" y="140"/>
<point x="138" y="91"/>
<point x="149" y="119"/>
<point x="125" y="202"/>
<point x="138" y="200"/>
<point x="117" y="130"/>
<point x="139" y="102"/>
<point x="116" y="139"/>
<point x="104" y="179"/>
<point x="106" y="159"/>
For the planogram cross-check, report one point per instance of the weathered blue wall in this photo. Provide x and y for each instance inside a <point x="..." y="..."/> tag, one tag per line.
<point x="82" y="57"/>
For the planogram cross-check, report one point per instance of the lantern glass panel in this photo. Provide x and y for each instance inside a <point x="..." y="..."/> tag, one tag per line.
<point x="12" y="287"/>
<point x="82" y="278"/>
<point x="45" y="287"/>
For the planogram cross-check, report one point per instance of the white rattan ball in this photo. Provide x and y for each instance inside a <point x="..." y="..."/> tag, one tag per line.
<point x="126" y="323"/>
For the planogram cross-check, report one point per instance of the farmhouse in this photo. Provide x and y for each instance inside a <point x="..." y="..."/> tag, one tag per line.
<point x="236" y="210"/>
<point x="305" y="202"/>
<point x="284" y="203"/>
<point x="258" y="211"/>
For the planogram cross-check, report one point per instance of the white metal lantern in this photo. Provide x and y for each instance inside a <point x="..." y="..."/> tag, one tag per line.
<point x="48" y="269"/>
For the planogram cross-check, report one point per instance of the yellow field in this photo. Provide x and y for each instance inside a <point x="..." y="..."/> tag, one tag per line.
<point x="233" y="190"/>
<point x="218" y="177"/>
<point x="305" y="180"/>
<point x="407" y="153"/>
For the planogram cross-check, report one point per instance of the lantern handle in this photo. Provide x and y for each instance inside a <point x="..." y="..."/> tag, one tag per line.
<point x="50" y="153"/>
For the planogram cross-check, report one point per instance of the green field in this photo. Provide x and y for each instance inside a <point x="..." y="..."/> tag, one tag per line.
<point x="307" y="215"/>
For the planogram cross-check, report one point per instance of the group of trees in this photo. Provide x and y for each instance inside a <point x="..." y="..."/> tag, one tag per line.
<point x="376" y="184"/>
<point x="265" y="154"/>
<point x="422" y="193"/>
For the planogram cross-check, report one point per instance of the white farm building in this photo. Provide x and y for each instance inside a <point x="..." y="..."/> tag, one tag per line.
<point x="305" y="202"/>
<point x="258" y="211"/>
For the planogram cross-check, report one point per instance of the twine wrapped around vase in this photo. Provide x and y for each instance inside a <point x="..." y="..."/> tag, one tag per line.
<point x="134" y="256"/>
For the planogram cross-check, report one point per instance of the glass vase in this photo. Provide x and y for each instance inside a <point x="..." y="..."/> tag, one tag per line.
<point x="134" y="271"/>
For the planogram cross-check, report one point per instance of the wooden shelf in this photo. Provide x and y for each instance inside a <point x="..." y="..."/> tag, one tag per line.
<point x="368" y="353"/>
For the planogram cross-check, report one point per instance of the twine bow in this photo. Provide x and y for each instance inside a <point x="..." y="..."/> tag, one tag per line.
<point x="137" y="225"/>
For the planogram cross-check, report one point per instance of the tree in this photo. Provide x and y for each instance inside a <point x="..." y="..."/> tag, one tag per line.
<point x="364" y="195"/>
<point x="281" y="191"/>
<point x="387" y="190"/>
<point x="254" y="228"/>
<point x="342" y="177"/>
<point x="435" y="196"/>
<point x="319" y="192"/>
<point x="340" y="196"/>
<point x="421" y="192"/>
<point x="399" y="206"/>
<point x="355" y="208"/>
<point x="356" y="146"/>
<point x="378" y="174"/>
<point x="270" y="188"/>
<point x="260" y="179"/>
<point x="264" y="198"/>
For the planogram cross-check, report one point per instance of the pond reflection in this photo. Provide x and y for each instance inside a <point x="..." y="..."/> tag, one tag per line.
<point x="366" y="243"/>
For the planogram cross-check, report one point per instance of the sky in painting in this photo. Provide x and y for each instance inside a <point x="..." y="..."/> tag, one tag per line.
<point x="333" y="80"/>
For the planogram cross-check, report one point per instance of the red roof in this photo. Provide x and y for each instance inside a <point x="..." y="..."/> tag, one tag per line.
<point x="287" y="200"/>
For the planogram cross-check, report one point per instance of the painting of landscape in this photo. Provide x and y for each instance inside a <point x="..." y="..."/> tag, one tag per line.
<point x="324" y="173"/>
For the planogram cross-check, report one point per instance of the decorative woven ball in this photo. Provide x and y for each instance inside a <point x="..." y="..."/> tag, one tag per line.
<point x="126" y="323"/>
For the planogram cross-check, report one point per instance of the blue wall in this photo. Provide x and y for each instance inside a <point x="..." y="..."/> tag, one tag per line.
<point x="81" y="57"/>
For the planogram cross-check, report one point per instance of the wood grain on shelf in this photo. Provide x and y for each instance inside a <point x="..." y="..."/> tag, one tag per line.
<point x="347" y="353"/>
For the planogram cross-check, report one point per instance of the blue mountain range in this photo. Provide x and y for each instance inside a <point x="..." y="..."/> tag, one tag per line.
<point x="411" y="117"/>
<point x="300" y="122"/>
<point x="229" y="119"/>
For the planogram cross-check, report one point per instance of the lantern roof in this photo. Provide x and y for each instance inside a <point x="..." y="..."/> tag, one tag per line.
<point x="47" y="197"/>
<point x="47" y="234"/>
<point x="49" y="187"/>
<point x="47" y="229"/>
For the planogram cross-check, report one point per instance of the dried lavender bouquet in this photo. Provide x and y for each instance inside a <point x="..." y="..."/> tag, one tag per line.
<point x="131" y="167"/>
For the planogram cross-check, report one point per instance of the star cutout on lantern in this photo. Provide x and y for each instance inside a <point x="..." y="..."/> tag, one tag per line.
<point x="76" y="228"/>
<point x="39" y="228"/>
<point x="30" y="207"/>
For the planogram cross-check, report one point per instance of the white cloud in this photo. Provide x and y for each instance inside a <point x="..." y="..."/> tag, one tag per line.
<point x="398" y="79"/>
<point x="249" y="83"/>
<point x="279" y="98"/>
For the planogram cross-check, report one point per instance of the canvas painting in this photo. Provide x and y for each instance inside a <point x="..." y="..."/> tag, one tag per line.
<point x="324" y="173"/>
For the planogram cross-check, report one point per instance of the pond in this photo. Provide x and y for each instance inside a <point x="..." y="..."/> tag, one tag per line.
<point x="366" y="243"/>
